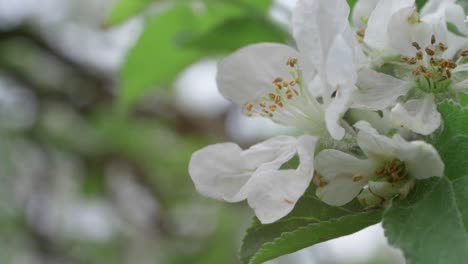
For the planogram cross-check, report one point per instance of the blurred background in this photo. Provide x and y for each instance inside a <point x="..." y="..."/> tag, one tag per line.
<point x="102" y="103"/>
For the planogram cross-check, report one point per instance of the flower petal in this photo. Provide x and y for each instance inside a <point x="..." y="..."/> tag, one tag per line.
<point x="376" y="33"/>
<point x="223" y="171"/>
<point x="219" y="172"/>
<point x="377" y="91"/>
<point x="316" y="23"/>
<point x="343" y="175"/>
<point x="402" y="33"/>
<point x="373" y="144"/>
<point x="418" y="115"/>
<point x="421" y="159"/>
<point x="340" y="65"/>
<point x="362" y="11"/>
<point x="273" y="193"/>
<point x="340" y="191"/>
<point x="381" y="122"/>
<point x="337" y="108"/>
<point x="247" y="74"/>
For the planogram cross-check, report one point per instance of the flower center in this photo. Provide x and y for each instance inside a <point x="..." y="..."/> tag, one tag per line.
<point x="288" y="102"/>
<point x="392" y="171"/>
<point x="433" y="72"/>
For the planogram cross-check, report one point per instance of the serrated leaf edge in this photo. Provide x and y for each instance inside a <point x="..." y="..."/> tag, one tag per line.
<point x="281" y="237"/>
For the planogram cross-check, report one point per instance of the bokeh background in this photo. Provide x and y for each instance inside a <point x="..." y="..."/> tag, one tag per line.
<point x="102" y="103"/>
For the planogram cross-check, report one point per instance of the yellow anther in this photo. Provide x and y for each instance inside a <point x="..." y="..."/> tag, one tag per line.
<point x="292" y="62"/>
<point x="412" y="61"/>
<point x="418" y="70"/>
<point x="464" y="53"/>
<point x="357" y="178"/>
<point x="419" y="55"/>
<point x="272" y="96"/>
<point x="278" y="99"/>
<point x="429" y="74"/>
<point x="272" y="108"/>
<point x="442" y="47"/>
<point x="451" y="64"/>
<point x="262" y="104"/>
<point x="430" y="52"/>
<point x="361" y="32"/>
<point x="416" y="45"/>
<point x="433" y="39"/>
<point x="278" y="80"/>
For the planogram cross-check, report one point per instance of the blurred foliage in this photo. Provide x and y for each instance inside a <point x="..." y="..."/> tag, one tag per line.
<point x="180" y="34"/>
<point x="84" y="159"/>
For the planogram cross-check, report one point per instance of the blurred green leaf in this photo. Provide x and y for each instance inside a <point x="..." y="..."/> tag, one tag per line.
<point x="311" y="222"/>
<point x="156" y="58"/>
<point x="237" y="32"/>
<point x="125" y="9"/>
<point x="156" y="148"/>
<point x="420" y="3"/>
<point x="351" y="4"/>
<point x="454" y="29"/>
<point x="464" y="99"/>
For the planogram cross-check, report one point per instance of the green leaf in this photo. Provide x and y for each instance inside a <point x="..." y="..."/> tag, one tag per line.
<point x="157" y="58"/>
<point x="452" y="142"/>
<point x="351" y="4"/>
<point x="420" y="3"/>
<point x="311" y="222"/>
<point x="237" y="32"/>
<point x="454" y="29"/>
<point x="463" y="99"/>
<point x="430" y="226"/>
<point x="126" y="9"/>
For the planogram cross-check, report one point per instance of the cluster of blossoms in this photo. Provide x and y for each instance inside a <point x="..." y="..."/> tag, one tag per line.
<point x="363" y="96"/>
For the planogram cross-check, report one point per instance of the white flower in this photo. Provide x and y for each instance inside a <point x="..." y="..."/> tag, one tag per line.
<point x="310" y="90"/>
<point x="225" y="171"/>
<point x="393" y="160"/>
<point x="270" y="80"/>
<point x="427" y="48"/>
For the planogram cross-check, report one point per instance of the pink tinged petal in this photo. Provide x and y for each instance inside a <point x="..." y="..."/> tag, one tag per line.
<point x="343" y="176"/>
<point x="223" y="171"/>
<point x="248" y="73"/>
<point x="362" y="10"/>
<point x="376" y="33"/>
<point x="402" y="33"/>
<point x="316" y="23"/>
<point x="421" y="160"/>
<point x="418" y="115"/>
<point x="377" y="91"/>
<point x="274" y="193"/>
<point x="337" y="108"/>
